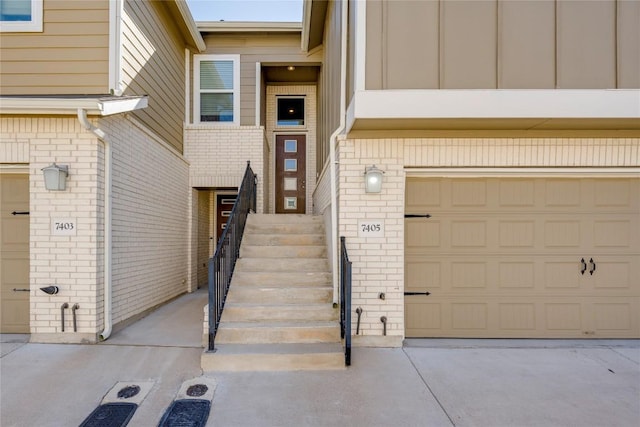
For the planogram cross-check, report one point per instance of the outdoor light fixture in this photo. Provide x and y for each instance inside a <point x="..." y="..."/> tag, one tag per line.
<point x="372" y="179"/>
<point x="291" y="68"/>
<point x="55" y="177"/>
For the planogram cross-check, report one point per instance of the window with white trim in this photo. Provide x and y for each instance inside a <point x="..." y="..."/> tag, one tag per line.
<point x="20" y="16"/>
<point x="217" y="89"/>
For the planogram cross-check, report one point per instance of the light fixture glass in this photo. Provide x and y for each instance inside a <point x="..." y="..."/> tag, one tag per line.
<point x="373" y="179"/>
<point x="55" y="177"/>
<point x="291" y="68"/>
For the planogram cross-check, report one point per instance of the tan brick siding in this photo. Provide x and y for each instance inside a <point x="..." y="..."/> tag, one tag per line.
<point x="150" y="221"/>
<point x="219" y="155"/>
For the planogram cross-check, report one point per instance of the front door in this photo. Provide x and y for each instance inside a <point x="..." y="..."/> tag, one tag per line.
<point x="224" y="205"/>
<point x="291" y="174"/>
<point x="14" y="253"/>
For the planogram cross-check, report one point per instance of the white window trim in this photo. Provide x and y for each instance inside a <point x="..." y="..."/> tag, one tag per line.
<point x="33" y="26"/>
<point x="197" y="59"/>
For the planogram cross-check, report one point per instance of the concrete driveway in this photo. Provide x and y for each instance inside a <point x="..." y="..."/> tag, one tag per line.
<point x="426" y="383"/>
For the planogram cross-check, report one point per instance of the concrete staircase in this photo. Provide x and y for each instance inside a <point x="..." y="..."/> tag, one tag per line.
<point x="279" y="313"/>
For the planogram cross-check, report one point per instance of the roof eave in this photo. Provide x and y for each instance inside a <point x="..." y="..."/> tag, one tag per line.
<point x="51" y="105"/>
<point x="248" y="27"/>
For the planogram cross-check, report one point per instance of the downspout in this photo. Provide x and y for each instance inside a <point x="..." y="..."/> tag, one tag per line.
<point x="108" y="323"/>
<point x="332" y="149"/>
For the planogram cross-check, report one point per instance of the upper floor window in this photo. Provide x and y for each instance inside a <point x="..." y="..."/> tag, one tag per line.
<point x="20" y="15"/>
<point x="217" y="89"/>
<point x="290" y="111"/>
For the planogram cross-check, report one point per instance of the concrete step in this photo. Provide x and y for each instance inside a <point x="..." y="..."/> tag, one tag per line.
<point x="255" y="239"/>
<point x="273" y="357"/>
<point x="284" y="219"/>
<point x="293" y="228"/>
<point x="294" y="265"/>
<point x="234" y="312"/>
<point x="280" y="295"/>
<point x="278" y="332"/>
<point x="299" y="251"/>
<point x="280" y="279"/>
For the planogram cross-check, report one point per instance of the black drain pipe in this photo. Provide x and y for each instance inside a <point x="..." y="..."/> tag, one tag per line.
<point x="383" y="319"/>
<point x="359" y="313"/>
<point x="62" y="309"/>
<point x="73" y="311"/>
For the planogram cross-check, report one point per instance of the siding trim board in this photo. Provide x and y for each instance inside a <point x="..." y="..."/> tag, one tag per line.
<point x="533" y="107"/>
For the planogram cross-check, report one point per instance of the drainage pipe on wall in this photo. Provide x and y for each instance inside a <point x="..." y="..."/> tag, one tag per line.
<point x="332" y="149"/>
<point x="108" y="323"/>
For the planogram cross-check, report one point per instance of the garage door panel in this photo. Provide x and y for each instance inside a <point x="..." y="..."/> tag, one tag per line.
<point x="518" y="274"/>
<point x="517" y="193"/>
<point x="506" y="262"/>
<point x="616" y="193"/>
<point x="567" y="317"/>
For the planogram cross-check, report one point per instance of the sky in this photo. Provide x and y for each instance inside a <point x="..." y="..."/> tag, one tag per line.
<point x="246" y="10"/>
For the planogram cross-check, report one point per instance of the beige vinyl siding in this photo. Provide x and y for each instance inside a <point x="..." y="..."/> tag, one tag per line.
<point x="586" y="44"/>
<point x="628" y="44"/>
<point x="329" y="108"/>
<point x="488" y="44"/>
<point x="264" y="48"/>
<point x="153" y="65"/>
<point x="70" y="56"/>
<point x="351" y="51"/>
<point x="527" y="44"/>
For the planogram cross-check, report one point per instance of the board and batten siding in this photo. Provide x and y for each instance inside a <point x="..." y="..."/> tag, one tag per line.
<point x="502" y="44"/>
<point x="329" y="83"/>
<point x="280" y="49"/>
<point x="153" y="65"/>
<point x="70" y="55"/>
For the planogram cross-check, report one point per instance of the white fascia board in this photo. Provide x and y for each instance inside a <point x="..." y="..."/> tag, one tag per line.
<point x="69" y="106"/>
<point x="447" y="104"/>
<point x="122" y="105"/>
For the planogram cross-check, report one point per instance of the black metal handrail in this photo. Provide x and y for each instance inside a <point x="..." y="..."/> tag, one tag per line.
<point x="222" y="264"/>
<point x="345" y="300"/>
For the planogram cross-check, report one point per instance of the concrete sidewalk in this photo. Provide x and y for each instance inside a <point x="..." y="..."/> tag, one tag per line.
<point x="426" y="383"/>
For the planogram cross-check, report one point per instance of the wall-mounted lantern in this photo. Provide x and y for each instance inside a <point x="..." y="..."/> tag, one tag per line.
<point x="372" y="179"/>
<point x="55" y="177"/>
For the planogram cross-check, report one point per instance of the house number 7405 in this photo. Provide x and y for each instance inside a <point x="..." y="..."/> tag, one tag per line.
<point x="370" y="228"/>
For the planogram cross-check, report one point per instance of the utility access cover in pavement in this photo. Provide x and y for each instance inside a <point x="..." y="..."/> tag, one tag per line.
<point x="110" y="415"/>
<point x="186" y="412"/>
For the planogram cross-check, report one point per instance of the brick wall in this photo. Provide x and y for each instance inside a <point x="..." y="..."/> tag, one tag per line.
<point x="150" y="221"/>
<point x="219" y="155"/>
<point x="73" y="263"/>
<point x="150" y="218"/>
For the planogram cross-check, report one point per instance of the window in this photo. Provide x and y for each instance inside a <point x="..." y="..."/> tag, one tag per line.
<point x="217" y="89"/>
<point x="290" y="111"/>
<point x="21" y="15"/>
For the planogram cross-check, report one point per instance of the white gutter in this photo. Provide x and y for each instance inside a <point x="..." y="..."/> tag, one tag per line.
<point x="108" y="321"/>
<point x="332" y="151"/>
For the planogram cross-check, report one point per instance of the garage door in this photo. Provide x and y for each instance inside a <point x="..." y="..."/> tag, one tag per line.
<point x="529" y="258"/>
<point x="14" y="253"/>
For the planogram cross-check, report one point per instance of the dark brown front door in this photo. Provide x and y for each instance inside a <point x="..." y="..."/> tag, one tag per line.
<point x="291" y="173"/>
<point x="224" y="204"/>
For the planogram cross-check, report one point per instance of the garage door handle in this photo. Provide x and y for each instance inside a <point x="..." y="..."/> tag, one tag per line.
<point x="417" y="293"/>
<point x="20" y="290"/>
<point x="593" y="266"/>
<point x="14" y="213"/>
<point x="584" y="266"/>
<point x="417" y="216"/>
